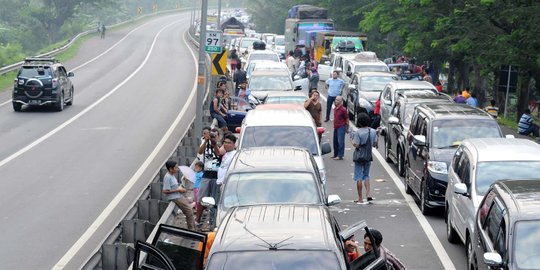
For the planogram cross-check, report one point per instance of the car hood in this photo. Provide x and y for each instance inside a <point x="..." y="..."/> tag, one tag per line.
<point x="370" y="96"/>
<point x="443" y="155"/>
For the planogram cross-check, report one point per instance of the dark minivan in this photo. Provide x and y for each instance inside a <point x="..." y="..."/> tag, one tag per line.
<point x="436" y="131"/>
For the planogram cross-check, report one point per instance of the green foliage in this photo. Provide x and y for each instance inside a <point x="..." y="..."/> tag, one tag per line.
<point x="10" y="53"/>
<point x="6" y="80"/>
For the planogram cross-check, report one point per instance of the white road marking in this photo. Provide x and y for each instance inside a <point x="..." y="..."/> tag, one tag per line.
<point x="97" y="57"/>
<point x="120" y="196"/>
<point x="428" y="230"/>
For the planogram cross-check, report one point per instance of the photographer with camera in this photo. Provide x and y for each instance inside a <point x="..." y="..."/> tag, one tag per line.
<point x="210" y="156"/>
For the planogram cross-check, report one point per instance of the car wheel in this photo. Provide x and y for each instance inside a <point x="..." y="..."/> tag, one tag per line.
<point x="17" y="106"/>
<point x="60" y="103"/>
<point x="387" y="150"/>
<point x="451" y="234"/>
<point x="423" y="199"/>
<point x="408" y="189"/>
<point x="400" y="162"/>
<point x="468" y="251"/>
<point x="71" y="95"/>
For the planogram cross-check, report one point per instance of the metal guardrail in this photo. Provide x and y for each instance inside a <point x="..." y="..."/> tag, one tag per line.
<point x="12" y="67"/>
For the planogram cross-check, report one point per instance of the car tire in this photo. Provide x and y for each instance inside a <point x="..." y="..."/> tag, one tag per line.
<point x="400" y="162"/>
<point x="17" y="106"/>
<point x="423" y="200"/>
<point x="60" y="104"/>
<point x="468" y="253"/>
<point x="451" y="234"/>
<point x="71" y="95"/>
<point x="387" y="150"/>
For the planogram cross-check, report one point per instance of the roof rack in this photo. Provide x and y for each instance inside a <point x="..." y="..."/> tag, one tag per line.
<point x="40" y="59"/>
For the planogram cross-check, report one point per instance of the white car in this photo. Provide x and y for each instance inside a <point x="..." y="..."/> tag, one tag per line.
<point x="478" y="163"/>
<point x="303" y="83"/>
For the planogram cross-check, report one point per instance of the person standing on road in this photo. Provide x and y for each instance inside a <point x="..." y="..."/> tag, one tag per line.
<point x="209" y="150"/>
<point x="227" y="152"/>
<point x="334" y="86"/>
<point x="174" y="192"/>
<point x="235" y="60"/>
<point x="239" y="76"/>
<point x="360" y="138"/>
<point x="103" y="28"/>
<point x="291" y="62"/>
<point x="526" y="126"/>
<point x="313" y="106"/>
<point x="313" y="78"/>
<point x="341" y="126"/>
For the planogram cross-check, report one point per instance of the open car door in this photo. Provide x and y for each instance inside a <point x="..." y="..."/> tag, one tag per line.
<point x="184" y="249"/>
<point x="237" y="112"/>
<point x="372" y="260"/>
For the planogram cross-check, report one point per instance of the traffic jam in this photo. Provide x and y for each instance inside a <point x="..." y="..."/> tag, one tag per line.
<point x="292" y="106"/>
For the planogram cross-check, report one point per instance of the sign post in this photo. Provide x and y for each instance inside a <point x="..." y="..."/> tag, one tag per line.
<point x="212" y="43"/>
<point x="201" y="72"/>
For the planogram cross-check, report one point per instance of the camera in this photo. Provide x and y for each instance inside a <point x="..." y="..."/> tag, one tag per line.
<point x="213" y="134"/>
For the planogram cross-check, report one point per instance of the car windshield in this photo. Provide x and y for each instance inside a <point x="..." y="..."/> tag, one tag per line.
<point x="271" y="260"/>
<point x="488" y="172"/>
<point x="264" y="56"/>
<point x="527" y="244"/>
<point x="270" y="187"/>
<point x="375" y="83"/>
<point x="32" y="72"/>
<point x="286" y="100"/>
<point x="247" y="42"/>
<point x="270" y="83"/>
<point x="296" y="136"/>
<point x="363" y="68"/>
<point x="449" y="133"/>
<point x="280" y="41"/>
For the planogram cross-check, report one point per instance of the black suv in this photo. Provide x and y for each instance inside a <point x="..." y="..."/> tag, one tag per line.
<point x="399" y="121"/>
<point x="42" y="81"/>
<point x="506" y="227"/>
<point x="435" y="132"/>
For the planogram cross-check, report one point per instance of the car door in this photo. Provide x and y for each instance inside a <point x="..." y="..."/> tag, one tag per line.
<point x="66" y="85"/>
<point x="394" y="130"/>
<point x="419" y="154"/>
<point x="325" y="68"/>
<point x="237" y="112"/>
<point x="184" y="249"/>
<point x="351" y="94"/>
<point x="463" y="205"/>
<point x="491" y="237"/>
<point x="386" y="104"/>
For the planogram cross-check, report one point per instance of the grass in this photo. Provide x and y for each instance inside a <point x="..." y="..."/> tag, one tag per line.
<point x="6" y="80"/>
<point x="509" y="121"/>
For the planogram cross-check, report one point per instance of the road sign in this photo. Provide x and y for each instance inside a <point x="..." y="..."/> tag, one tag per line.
<point x="212" y="43"/>
<point x="219" y="63"/>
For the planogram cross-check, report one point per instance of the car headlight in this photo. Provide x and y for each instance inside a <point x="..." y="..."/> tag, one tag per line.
<point x="437" y="167"/>
<point x="365" y="104"/>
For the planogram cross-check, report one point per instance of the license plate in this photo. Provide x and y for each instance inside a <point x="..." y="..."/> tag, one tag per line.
<point x="35" y="102"/>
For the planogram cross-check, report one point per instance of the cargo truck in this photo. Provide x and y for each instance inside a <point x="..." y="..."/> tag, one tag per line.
<point x="303" y="19"/>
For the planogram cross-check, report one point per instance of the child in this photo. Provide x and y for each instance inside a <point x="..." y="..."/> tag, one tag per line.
<point x="199" y="166"/>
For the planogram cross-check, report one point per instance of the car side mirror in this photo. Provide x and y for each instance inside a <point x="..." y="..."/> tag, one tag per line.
<point x="321" y="130"/>
<point x="208" y="201"/>
<point x="393" y="120"/>
<point x="492" y="259"/>
<point x="352" y="86"/>
<point x="297" y="77"/>
<point x="509" y="136"/>
<point x="461" y="188"/>
<point x="298" y="88"/>
<point x="71" y="74"/>
<point x="333" y="199"/>
<point x="325" y="148"/>
<point x="419" y="140"/>
<point x="338" y="70"/>
<point x="327" y="63"/>
<point x="387" y="102"/>
<point x="349" y="74"/>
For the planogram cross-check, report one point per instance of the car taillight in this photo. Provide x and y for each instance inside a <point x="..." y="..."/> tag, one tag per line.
<point x="54" y="83"/>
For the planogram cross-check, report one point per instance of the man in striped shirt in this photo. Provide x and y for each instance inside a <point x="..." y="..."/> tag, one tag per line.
<point x="526" y="125"/>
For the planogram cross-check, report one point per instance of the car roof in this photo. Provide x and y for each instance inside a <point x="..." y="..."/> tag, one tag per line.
<point x="412" y="85"/>
<point x="268" y="64"/>
<point x="375" y="74"/>
<point x="503" y="149"/>
<point x="269" y="72"/>
<point x="278" y="117"/>
<point x="309" y="226"/>
<point x="285" y="94"/>
<point x="453" y="110"/>
<point x="522" y="195"/>
<point x="412" y="96"/>
<point x="263" y="52"/>
<point x="274" y="158"/>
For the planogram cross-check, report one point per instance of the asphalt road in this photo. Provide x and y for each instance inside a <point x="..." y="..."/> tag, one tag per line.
<point x="419" y="241"/>
<point x="68" y="178"/>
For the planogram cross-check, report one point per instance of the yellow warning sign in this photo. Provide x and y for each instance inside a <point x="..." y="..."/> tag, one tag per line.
<point x="219" y="63"/>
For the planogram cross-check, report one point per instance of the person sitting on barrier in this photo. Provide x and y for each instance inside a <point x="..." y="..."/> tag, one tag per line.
<point x="216" y="110"/>
<point x="174" y="193"/>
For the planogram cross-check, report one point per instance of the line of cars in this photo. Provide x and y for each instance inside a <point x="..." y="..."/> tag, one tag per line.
<point x="274" y="212"/>
<point x="456" y="160"/>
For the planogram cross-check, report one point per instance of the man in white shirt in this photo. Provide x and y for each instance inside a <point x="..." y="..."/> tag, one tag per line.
<point x="229" y="146"/>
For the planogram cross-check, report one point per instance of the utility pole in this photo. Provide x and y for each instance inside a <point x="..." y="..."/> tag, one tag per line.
<point x="219" y="15"/>
<point x="201" y="78"/>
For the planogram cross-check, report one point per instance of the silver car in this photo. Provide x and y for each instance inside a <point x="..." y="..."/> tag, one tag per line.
<point x="478" y="163"/>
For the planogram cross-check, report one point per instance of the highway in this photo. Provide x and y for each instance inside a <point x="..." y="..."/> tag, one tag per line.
<point x="68" y="178"/>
